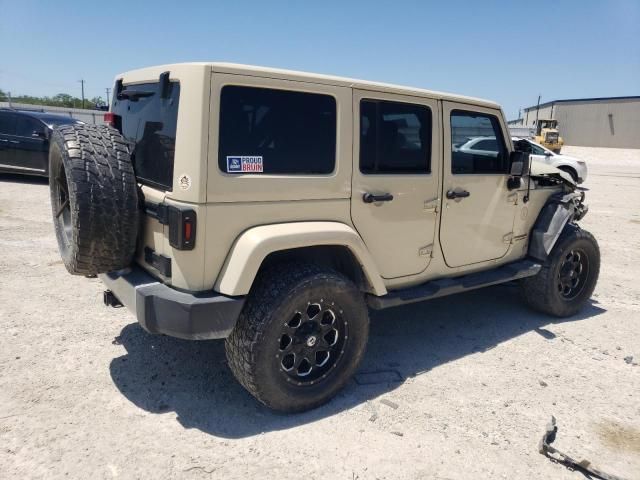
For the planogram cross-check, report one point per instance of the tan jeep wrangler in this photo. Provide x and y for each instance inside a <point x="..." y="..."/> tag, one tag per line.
<point x="274" y="208"/>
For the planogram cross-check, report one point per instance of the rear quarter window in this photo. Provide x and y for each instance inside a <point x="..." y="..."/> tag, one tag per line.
<point x="287" y="132"/>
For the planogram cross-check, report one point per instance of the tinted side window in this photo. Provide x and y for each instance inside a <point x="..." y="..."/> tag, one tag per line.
<point x="25" y="126"/>
<point x="394" y="137"/>
<point x="289" y="132"/>
<point x="7" y="123"/>
<point x="471" y="155"/>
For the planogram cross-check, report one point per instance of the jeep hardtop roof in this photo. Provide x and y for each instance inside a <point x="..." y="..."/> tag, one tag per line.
<point x="139" y="75"/>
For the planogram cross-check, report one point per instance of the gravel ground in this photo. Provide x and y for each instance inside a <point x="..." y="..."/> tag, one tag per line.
<point x="459" y="387"/>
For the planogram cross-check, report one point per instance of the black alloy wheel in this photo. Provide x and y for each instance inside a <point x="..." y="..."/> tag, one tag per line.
<point x="573" y="274"/>
<point x="312" y="342"/>
<point x="62" y="204"/>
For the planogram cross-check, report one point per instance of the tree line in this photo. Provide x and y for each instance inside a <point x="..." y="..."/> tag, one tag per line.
<point x="59" y="100"/>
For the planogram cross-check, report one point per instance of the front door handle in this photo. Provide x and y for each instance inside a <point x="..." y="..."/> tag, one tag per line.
<point x="14" y="141"/>
<point x="370" y="197"/>
<point x="452" y="194"/>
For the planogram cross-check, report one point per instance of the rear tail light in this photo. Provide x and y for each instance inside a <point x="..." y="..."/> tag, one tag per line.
<point x="182" y="228"/>
<point x="110" y="119"/>
<point x="181" y="222"/>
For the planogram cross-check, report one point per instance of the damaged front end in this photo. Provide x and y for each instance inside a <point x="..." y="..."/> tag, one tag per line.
<point x="561" y="208"/>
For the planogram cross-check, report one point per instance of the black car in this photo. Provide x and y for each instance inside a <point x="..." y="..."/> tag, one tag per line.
<point x="24" y="140"/>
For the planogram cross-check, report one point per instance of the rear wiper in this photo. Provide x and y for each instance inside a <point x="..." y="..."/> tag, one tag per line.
<point x="134" y="95"/>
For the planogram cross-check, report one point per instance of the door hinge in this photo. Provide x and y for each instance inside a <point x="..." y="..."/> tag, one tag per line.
<point x="431" y="206"/>
<point x="426" y="251"/>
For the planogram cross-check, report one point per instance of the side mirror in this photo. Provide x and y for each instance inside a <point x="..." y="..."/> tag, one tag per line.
<point x="519" y="164"/>
<point x="39" y="134"/>
<point x="548" y="154"/>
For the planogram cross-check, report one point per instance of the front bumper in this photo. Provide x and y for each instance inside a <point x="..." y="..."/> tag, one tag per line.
<point x="162" y="309"/>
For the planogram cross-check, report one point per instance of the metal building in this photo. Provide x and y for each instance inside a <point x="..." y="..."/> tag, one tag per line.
<point x="591" y="122"/>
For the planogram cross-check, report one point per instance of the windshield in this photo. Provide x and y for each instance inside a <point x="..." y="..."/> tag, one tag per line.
<point x="149" y="123"/>
<point x="537" y="149"/>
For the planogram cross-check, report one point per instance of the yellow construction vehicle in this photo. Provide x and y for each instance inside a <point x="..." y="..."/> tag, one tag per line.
<point x="547" y="135"/>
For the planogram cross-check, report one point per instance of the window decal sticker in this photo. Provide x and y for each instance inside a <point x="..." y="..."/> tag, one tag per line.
<point x="244" y="164"/>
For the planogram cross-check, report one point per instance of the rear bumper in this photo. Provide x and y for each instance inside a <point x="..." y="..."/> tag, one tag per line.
<point x="161" y="309"/>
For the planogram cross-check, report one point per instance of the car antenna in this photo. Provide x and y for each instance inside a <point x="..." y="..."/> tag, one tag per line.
<point x="526" y="197"/>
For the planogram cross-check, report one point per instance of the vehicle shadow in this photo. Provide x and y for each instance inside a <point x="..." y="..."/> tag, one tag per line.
<point x="29" y="179"/>
<point x="162" y="374"/>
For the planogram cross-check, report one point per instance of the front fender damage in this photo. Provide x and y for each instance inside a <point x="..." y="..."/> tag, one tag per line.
<point x="560" y="209"/>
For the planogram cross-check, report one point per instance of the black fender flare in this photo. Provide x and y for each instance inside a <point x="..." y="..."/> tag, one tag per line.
<point x="560" y="209"/>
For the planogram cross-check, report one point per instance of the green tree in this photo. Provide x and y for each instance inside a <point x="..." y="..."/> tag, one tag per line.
<point x="58" y="100"/>
<point x="96" y="102"/>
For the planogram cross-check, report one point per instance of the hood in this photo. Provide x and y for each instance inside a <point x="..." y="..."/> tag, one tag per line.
<point x="541" y="169"/>
<point x="567" y="158"/>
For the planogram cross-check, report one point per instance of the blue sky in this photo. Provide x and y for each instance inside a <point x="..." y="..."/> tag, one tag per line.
<point x="506" y="51"/>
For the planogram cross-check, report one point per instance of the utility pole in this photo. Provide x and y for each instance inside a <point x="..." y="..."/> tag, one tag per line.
<point x="107" y="90"/>
<point x="82" y="83"/>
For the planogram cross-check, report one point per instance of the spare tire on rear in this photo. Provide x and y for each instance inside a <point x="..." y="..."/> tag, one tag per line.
<point x="94" y="198"/>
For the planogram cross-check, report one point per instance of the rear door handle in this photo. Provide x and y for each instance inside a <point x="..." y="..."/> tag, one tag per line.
<point x="452" y="194"/>
<point x="371" y="198"/>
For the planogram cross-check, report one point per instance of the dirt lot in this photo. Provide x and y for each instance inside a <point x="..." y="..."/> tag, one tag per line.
<point x="460" y="387"/>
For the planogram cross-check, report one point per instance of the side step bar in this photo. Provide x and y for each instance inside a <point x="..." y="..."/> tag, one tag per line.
<point x="449" y="286"/>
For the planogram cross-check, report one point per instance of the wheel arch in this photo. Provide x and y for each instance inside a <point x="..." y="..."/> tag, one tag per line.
<point x="557" y="213"/>
<point x="327" y="243"/>
<point x="570" y="169"/>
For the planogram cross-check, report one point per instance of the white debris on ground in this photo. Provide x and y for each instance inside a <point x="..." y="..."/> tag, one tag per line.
<point x="459" y="387"/>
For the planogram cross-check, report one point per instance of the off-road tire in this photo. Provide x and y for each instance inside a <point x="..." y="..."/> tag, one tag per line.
<point x="253" y="348"/>
<point x="94" y="198"/>
<point x="542" y="291"/>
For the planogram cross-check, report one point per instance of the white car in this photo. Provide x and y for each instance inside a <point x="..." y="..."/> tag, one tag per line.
<point x="574" y="167"/>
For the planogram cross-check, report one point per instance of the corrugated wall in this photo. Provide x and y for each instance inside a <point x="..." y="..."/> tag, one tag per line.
<point x="612" y="123"/>
<point x="594" y="123"/>
<point x="530" y="116"/>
